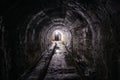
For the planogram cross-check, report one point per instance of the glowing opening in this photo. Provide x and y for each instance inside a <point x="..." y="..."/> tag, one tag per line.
<point x="61" y="37"/>
<point x="57" y="36"/>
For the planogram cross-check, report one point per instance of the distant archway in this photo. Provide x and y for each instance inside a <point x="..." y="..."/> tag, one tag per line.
<point x="57" y="36"/>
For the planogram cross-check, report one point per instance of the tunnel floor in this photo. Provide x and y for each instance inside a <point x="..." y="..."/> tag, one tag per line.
<point x="56" y="65"/>
<point x="61" y="67"/>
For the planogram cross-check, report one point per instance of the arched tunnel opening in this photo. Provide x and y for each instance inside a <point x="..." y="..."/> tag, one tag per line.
<point x="60" y="40"/>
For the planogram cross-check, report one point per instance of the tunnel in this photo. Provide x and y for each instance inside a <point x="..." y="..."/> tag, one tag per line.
<point x="59" y="40"/>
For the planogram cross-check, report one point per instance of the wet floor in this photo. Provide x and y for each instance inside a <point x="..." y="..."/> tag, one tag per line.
<point x="61" y="67"/>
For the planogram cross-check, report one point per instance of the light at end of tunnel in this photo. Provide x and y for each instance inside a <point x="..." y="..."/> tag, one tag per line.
<point x="56" y="32"/>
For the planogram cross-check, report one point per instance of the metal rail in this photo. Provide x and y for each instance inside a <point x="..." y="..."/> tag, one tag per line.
<point x="76" y="65"/>
<point x="40" y="68"/>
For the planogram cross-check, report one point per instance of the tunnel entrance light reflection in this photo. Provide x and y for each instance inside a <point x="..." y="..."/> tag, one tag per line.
<point x="60" y="36"/>
<point x="57" y="36"/>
